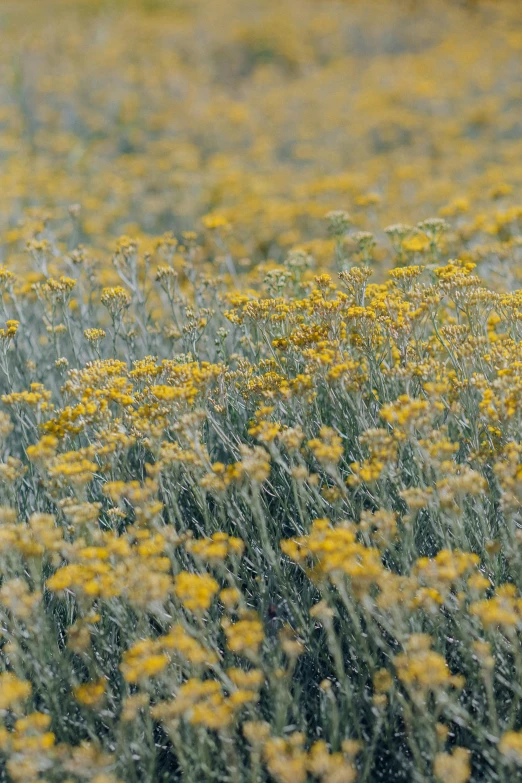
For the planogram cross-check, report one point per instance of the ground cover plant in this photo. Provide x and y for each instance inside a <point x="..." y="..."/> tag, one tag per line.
<point x="260" y="391"/>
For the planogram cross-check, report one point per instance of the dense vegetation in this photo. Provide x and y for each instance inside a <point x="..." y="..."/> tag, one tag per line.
<point x="261" y="391"/>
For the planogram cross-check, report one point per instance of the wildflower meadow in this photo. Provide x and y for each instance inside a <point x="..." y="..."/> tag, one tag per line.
<point x="260" y="391"/>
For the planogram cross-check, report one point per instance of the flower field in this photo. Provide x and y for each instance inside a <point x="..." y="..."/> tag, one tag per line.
<point x="260" y="391"/>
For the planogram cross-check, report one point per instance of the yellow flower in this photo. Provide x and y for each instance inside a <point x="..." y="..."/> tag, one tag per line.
<point x="244" y="636"/>
<point x="453" y="767"/>
<point x="328" y="448"/>
<point x="90" y="694"/>
<point x="286" y="759"/>
<point x="94" y="335"/>
<point x="10" y="331"/>
<point x="136" y="666"/>
<point x="510" y="746"/>
<point x="216" y="548"/>
<point x="13" y="690"/>
<point x="215" y="221"/>
<point x="422" y="669"/>
<point x="416" y="243"/>
<point x="115" y="300"/>
<point x="195" y="591"/>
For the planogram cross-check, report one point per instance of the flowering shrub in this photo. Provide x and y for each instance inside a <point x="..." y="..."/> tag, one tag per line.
<point x="260" y="443"/>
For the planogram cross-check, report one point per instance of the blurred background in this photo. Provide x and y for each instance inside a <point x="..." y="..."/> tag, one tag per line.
<point x="155" y="113"/>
